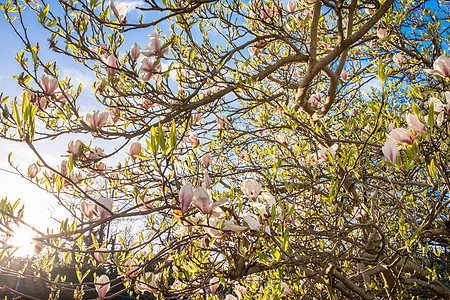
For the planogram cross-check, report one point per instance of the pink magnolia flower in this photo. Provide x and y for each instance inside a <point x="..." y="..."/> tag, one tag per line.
<point x="314" y="100"/>
<point x="154" y="48"/>
<point x="206" y="180"/>
<point x="96" y="119"/>
<point x="286" y="289"/>
<point x="74" y="147"/>
<point x="135" y="149"/>
<point x="132" y="270"/>
<point x="322" y="154"/>
<point x="253" y="51"/>
<point x="150" y="287"/>
<point x="64" y="95"/>
<point x="391" y="127"/>
<point x="205" y="241"/>
<point x="252" y="221"/>
<point x="135" y="51"/>
<point x="198" y="117"/>
<point x="282" y="138"/>
<point x="265" y="13"/>
<point x="441" y="108"/>
<point x="113" y="64"/>
<point x="438" y="106"/>
<point x="214" y="284"/>
<point x="224" y="225"/>
<point x="390" y="151"/>
<point x="119" y="12"/>
<point x="106" y="202"/>
<point x="185" y="197"/>
<point x="398" y="59"/>
<point x="87" y="209"/>
<point x="147" y="103"/>
<point x="102" y="286"/>
<point x="95" y="154"/>
<point x="206" y="160"/>
<point x="98" y="168"/>
<point x="202" y="200"/>
<point x="292" y="7"/>
<point x="222" y="122"/>
<point x="240" y="290"/>
<point x="344" y="75"/>
<point x="290" y="219"/>
<point x="414" y="123"/>
<point x="381" y="33"/>
<point x="401" y="136"/>
<point x="33" y="170"/>
<point x="192" y="139"/>
<point x="49" y="85"/>
<point x="102" y="47"/>
<point x="101" y="255"/>
<point x="251" y="188"/>
<point x="62" y="168"/>
<point x="75" y="177"/>
<point x="114" y="114"/>
<point x="143" y="205"/>
<point x="40" y="102"/>
<point x="360" y="213"/>
<point x="150" y="70"/>
<point x="441" y="67"/>
<point x="276" y="12"/>
<point x="101" y="85"/>
<point x="268" y="197"/>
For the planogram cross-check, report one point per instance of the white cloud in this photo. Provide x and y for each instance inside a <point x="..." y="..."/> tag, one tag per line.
<point x="132" y="6"/>
<point x="78" y="75"/>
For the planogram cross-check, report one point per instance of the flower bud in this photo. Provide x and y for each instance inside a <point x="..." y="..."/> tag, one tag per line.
<point x="401" y="136"/>
<point x="398" y="59"/>
<point x="114" y="114"/>
<point x="106" y="202"/>
<point x="185" y="196"/>
<point x="135" y="51"/>
<point x="33" y="170"/>
<point x="87" y="209"/>
<point x="74" y="147"/>
<point x="381" y="33"/>
<point x="251" y="188"/>
<point x="102" y="255"/>
<point x="135" y="149"/>
<point x="292" y="7"/>
<point x="101" y="286"/>
<point x="206" y="160"/>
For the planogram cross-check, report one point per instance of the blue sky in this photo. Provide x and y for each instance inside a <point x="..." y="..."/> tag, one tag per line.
<point x="13" y="186"/>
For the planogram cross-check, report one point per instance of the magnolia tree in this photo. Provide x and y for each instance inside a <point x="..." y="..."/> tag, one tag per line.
<point x="271" y="149"/>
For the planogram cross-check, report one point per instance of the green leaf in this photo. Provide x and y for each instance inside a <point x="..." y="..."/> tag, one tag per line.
<point x="52" y="23"/>
<point x="432" y="169"/>
<point x="416" y="234"/>
<point x="16" y="114"/>
<point x="430" y="121"/>
<point x="161" y="139"/>
<point x="142" y="157"/>
<point x="153" y="143"/>
<point x="70" y="164"/>
<point x="173" y="136"/>
<point x="402" y="228"/>
<point x="25" y="106"/>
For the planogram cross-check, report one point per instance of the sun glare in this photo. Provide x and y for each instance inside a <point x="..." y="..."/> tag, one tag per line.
<point x="22" y="240"/>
